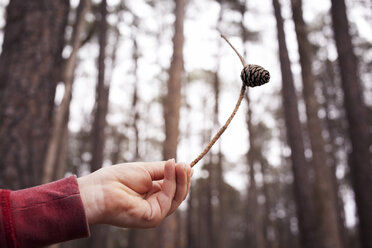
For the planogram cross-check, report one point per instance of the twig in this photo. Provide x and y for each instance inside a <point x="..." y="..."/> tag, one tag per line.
<point x="240" y="56"/>
<point x="251" y="75"/>
<point x="222" y="129"/>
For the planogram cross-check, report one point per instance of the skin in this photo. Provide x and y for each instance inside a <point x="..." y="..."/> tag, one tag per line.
<point x="134" y="195"/>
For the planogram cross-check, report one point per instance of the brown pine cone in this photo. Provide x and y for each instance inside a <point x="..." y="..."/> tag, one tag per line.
<point x="254" y="75"/>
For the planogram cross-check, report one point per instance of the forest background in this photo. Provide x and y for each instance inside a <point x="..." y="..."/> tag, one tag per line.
<point x="86" y="84"/>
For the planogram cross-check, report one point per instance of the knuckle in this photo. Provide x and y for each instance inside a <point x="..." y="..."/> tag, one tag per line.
<point x="150" y="220"/>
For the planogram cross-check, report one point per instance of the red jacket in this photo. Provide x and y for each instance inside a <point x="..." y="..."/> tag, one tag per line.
<point x="42" y="215"/>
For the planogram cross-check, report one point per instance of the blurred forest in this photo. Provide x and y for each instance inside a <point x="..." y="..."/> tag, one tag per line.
<point x="91" y="83"/>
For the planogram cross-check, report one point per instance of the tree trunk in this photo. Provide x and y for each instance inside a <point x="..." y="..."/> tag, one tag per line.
<point x="99" y="233"/>
<point x="204" y="234"/>
<point x="302" y="187"/>
<point x="255" y="230"/>
<point x="135" y="236"/>
<point x="361" y="169"/>
<point x="62" y="158"/>
<point x="29" y="69"/>
<point x="172" y="102"/>
<point x="271" y="231"/>
<point x="221" y="238"/>
<point x="62" y="113"/>
<point x="168" y="228"/>
<point x="102" y="94"/>
<point x="324" y="187"/>
<point x="331" y="93"/>
<point x="191" y="237"/>
<point x="136" y="114"/>
<point x="217" y="165"/>
<point x="210" y="232"/>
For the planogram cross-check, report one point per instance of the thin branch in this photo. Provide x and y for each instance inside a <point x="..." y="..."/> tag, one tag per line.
<point x="222" y="129"/>
<point x="240" y="56"/>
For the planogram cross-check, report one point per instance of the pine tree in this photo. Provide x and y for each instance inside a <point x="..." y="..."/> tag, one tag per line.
<point x="168" y="228"/>
<point x="324" y="187"/>
<point x="360" y="157"/>
<point x="30" y="65"/>
<point x="303" y="194"/>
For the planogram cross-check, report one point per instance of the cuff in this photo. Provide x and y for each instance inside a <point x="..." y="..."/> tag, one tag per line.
<point x="48" y="214"/>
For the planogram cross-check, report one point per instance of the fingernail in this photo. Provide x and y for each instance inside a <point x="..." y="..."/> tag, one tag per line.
<point x="172" y="160"/>
<point x="191" y="172"/>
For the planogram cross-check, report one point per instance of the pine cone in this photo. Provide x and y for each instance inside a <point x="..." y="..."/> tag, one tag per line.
<point x="254" y="75"/>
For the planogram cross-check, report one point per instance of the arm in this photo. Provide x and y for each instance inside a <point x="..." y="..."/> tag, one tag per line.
<point x="42" y="215"/>
<point x="126" y="195"/>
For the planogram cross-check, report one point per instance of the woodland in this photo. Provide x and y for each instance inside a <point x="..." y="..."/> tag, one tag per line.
<point x="92" y="83"/>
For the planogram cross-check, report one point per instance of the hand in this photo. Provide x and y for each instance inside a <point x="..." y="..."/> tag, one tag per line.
<point x="137" y="195"/>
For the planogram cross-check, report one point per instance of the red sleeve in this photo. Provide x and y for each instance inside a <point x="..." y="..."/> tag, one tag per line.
<point x="42" y="215"/>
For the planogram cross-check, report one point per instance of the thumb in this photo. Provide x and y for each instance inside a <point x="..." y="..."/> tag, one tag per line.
<point x="168" y="187"/>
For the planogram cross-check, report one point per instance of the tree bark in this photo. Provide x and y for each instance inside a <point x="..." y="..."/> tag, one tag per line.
<point x="168" y="228"/>
<point x="62" y="159"/>
<point x="255" y="231"/>
<point x="62" y="113"/>
<point x="303" y="194"/>
<point x="220" y="238"/>
<point x="136" y="114"/>
<point x="324" y="187"/>
<point x="210" y="232"/>
<point x="272" y="235"/>
<point x="254" y="213"/>
<point x="361" y="169"/>
<point x="29" y="70"/>
<point x="191" y="234"/>
<point x="204" y="235"/>
<point x="102" y="94"/>
<point x="172" y="102"/>
<point x="99" y="233"/>
<point x="336" y="129"/>
<point x="135" y="236"/>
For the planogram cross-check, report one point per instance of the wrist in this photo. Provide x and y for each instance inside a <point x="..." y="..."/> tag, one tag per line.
<point x="89" y="193"/>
